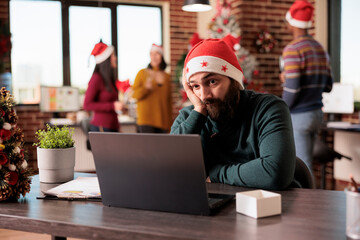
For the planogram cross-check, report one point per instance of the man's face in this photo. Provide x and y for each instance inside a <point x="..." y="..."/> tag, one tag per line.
<point x="213" y="90"/>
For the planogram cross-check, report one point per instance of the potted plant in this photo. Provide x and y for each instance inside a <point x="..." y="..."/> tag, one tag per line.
<point x="55" y="154"/>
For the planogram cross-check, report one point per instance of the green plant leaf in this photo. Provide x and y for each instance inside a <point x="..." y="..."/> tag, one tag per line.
<point x="55" y="137"/>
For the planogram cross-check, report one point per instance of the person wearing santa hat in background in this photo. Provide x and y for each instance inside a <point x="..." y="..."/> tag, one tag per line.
<point x="101" y="96"/>
<point x="152" y="90"/>
<point x="307" y="74"/>
<point x="247" y="137"/>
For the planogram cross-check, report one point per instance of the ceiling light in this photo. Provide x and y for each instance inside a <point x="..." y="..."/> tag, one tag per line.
<point x="196" y="5"/>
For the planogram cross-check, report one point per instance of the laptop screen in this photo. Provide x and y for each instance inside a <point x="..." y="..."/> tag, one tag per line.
<point x="151" y="171"/>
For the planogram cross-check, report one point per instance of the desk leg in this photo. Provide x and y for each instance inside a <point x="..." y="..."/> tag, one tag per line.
<point x="57" y="238"/>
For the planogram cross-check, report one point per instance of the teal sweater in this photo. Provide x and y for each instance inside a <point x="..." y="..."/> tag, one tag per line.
<point x="254" y="149"/>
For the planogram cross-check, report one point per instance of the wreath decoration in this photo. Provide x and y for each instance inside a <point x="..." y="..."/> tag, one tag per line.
<point x="265" y="42"/>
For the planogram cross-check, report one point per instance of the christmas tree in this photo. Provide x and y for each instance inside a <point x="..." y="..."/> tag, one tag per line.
<point x="14" y="173"/>
<point x="224" y="25"/>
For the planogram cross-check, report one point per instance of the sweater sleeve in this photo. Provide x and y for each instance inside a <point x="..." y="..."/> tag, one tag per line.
<point x="189" y="121"/>
<point x="274" y="166"/>
<point x="139" y="90"/>
<point x="91" y="102"/>
<point x="292" y="68"/>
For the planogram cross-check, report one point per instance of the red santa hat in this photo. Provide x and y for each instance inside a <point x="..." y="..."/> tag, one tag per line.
<point x="213" y="55"/>
<point x="300" y="14"/>
<point x="157" y="48"/>
<point x="101" y="52"/>
<point x="233" y="42"/>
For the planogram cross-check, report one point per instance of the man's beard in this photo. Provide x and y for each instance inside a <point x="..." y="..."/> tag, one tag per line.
<point x="222" y="111"/>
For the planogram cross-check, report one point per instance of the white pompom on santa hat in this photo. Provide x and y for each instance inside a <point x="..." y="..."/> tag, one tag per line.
<point x="300" y="14"/>
<point x="101" y="52"/>
<point x="213" y="55"/>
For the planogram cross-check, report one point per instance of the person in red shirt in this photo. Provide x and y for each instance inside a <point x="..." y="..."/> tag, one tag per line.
<point x="101" y="96"/>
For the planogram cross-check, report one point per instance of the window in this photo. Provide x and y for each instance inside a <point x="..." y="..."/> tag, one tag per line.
<point x="52" y="41"/>
<point x="349" y="49"/>
<point x="87" y="25"/>
<point x="36" y="54"/>
<point x="134" y="46"/>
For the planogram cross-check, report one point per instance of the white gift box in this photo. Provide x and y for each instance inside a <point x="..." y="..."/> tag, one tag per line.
<point x="258" y="203"/>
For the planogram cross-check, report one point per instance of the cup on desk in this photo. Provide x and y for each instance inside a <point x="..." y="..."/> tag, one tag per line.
<point x="353" y="214"/>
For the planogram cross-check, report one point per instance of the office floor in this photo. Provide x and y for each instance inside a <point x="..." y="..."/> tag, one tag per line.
<point x="19" y="235"/>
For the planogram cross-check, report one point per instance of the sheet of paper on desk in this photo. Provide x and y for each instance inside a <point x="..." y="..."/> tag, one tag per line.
<point x="81" y="187"/>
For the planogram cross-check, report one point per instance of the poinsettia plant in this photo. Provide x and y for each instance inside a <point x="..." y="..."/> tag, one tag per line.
<point x="123" y="86"/>
<point x="14" y="172"/>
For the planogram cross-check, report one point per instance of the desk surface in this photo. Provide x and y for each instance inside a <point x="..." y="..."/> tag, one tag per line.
<point x="306" y="214"/>
<point x="342" y="126"/>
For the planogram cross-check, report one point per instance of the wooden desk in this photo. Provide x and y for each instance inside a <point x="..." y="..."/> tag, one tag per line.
<point x="306" y="214"/>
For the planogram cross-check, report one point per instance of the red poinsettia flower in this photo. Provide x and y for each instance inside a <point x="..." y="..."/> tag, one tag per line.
<point x="226" y="21"/>
<point x="13" y="178"/>
<point x="122" y="86"/>
<point x="220" y="30"/>
<point x="2" y="113"/>
<point x="3" y="158"/>
<point x="5" y="134"/>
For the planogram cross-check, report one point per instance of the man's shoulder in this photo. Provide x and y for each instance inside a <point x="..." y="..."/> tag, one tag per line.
<point x="260" y="97"/>
<point x="260" y="102"/>
<point x="302" y="42"/>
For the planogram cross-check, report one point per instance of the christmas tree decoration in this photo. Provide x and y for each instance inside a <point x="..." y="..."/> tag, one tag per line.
<point x="225" y="26"/>
<point x="14" y="173"/>
<point x="265" y="42"/>
<point x="223" y="23"/>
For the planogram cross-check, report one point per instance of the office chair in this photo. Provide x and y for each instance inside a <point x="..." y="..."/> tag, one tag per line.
<point x="323" y="154"/>
<point x="303" y="175"/>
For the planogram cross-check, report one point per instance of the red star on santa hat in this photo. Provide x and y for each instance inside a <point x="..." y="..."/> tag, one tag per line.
<point x="224" y="68"/>
<point x="204" y="64"/>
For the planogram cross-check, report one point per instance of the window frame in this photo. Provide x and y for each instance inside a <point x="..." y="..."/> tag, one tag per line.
<point x="66" y="4"/>
<point x="334" y="36"/>
<point x="114" y="38"/>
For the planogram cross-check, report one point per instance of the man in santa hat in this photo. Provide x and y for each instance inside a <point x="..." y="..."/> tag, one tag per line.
<point x="247" y="137"/>
<point x="307" y="74"/>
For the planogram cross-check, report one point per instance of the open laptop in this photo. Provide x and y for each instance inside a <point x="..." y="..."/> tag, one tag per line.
<point x="159" y="172"/>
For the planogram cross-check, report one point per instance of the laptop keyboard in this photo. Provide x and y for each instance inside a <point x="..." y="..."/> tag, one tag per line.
<point x="216" y="200"/>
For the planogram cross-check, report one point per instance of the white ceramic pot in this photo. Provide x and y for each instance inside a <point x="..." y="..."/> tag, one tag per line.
<point x="56" y="165"/>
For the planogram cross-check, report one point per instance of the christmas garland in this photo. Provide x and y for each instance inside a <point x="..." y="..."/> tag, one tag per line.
<point x="14" y="174"/>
